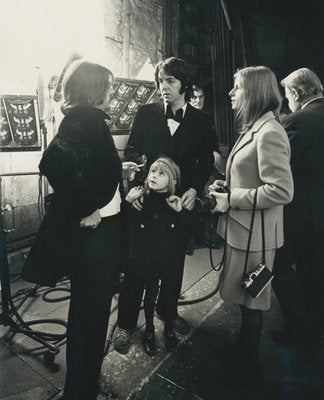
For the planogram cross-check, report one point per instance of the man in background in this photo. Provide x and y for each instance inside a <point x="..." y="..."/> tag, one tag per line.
<point x="204" y="235"/>
<point x="298" y="269"/>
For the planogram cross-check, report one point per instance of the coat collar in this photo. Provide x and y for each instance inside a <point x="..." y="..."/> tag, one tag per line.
<point x="161" y="109"/>
<point x="248" y="136"/>
<point x="312" y="101"/>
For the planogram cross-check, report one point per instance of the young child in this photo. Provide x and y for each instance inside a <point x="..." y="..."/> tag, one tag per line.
<point x="159" y="234"/>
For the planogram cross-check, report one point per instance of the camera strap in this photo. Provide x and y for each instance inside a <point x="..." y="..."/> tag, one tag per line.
<point x="225" y="245"/>
<point x="250" y="235"/>
<point x="263" y="238"/>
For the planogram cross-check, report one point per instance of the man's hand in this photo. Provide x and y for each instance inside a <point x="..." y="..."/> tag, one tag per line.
<point x="175" y="203"/>
<point x="91" y="221"/>
<point x="188" y="199"/>
<point x="129" y="170"/>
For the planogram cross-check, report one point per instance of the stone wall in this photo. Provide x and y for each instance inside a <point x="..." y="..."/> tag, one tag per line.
<point x="133" y="33"/>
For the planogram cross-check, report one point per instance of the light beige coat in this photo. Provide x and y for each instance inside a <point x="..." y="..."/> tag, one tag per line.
<point x="258" y="160"/>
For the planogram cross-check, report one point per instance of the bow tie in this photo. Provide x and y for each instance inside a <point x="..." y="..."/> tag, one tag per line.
<point x="178" y="115"/>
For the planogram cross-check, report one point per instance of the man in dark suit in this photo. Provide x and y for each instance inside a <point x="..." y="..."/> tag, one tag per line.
<point x="176" y="129"/>
<point x="299" y="269"/>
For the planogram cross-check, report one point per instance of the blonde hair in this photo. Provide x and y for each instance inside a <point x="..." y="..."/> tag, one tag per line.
<point x="305" y="82"/>
<point x="85" y="84"/>
<point x="260" y="95"/>
<point x="168" y="166"/>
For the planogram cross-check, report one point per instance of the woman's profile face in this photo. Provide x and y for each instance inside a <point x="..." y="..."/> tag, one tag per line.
<point x="236" y="93"/>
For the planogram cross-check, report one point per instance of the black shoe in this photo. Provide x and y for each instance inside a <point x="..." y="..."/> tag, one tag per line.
<point x="180" y="325"/>
<point x="170" y="339"/>
<point x="149" y="345"/>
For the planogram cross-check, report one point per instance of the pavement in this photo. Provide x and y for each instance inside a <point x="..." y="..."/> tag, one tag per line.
<point x="192" y="372"/>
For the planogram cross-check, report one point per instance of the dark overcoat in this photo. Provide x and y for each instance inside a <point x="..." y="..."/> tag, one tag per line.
<point x="305" y="129"/>
<point x="83" y="167"/>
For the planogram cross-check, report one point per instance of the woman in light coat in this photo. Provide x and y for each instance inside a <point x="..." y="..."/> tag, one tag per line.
<point x="258" y="161"/>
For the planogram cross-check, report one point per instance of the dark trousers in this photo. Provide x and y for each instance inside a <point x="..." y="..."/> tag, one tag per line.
<point x="92" y="287"/>
<point x="171" y="289"/>
<point x="299" y="282"/>
<point x="130" y="299"/>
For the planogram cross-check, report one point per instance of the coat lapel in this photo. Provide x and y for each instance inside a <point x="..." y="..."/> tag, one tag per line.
<point x="160" y="121"/>
<point x="246" y="138"/>
<point x="186" y="120"/>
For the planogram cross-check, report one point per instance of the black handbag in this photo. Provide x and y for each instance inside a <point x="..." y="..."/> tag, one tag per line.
<point x="256" y="281"/>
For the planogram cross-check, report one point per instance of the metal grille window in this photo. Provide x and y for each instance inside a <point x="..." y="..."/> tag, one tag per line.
<point x="228" y="54"/>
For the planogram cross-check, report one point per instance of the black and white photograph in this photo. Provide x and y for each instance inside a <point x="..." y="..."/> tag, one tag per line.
<point x="161" y="200"/>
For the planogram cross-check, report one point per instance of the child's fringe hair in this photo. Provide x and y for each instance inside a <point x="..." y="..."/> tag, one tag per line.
<point x="167" y="165"/>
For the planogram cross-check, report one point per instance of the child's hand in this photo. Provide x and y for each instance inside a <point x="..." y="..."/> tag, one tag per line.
<point x="175" y="203"/>
<point x="135" y="193"/>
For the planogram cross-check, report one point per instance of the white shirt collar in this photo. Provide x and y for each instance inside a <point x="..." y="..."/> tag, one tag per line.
<point x="184" y="107"/>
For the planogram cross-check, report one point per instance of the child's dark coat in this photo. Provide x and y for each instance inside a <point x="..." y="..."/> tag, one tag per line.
<point x="159" y="237"/>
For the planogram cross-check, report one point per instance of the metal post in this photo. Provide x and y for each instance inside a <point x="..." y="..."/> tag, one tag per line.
<point x="4" y="270"/>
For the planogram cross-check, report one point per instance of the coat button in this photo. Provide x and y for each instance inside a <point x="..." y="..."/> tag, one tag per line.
<point x="142" y="226"/>
<point x="172" y="226"/>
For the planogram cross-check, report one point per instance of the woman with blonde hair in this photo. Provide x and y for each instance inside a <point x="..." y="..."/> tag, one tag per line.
<point x="258" y="162"/>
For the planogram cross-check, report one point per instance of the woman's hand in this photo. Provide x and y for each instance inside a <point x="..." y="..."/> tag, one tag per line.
<point x="222" y="204"/>
<point x="175" y="203"/>
<point x="135" y="193"/>
<point x="217" y="185"/>
<point x="91" y="221"/>
<point x="129" y="170"/>
<point x="188" y="199"/>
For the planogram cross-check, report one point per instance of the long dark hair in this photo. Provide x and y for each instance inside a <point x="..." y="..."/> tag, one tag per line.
<point x="178" y="68"/>
<point x="85" y="84"/>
